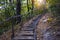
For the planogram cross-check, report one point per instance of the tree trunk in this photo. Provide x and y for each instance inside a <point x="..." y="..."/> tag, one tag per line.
<point x="18" y="10"/>
<point x="27" y="5"/>
<point x="32" y="4"/>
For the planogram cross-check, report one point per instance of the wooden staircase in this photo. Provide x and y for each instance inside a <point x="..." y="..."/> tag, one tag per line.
<point x="28" y="32"/>
<point x="25" y="34"/>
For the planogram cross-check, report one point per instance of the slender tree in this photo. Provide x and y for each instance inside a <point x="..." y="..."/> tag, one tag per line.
<point x="28" y="5"/>
<point x="32" y="5"/>
<point x="18" y="10"/>
<point x="10" y="1"/>
<point x="7" y="14"/>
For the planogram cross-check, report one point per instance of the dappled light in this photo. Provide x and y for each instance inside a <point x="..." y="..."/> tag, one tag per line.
<point x="40" y="3"/>
<point x="29" y="19"/>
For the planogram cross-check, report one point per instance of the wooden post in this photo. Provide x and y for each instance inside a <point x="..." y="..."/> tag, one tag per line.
<point x="12" y="28"/>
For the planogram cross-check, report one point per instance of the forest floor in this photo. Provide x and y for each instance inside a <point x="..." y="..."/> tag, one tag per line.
<point x="42" y="26"/>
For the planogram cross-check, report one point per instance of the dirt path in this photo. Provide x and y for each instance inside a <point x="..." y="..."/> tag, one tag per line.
<point x="42" y="26"/>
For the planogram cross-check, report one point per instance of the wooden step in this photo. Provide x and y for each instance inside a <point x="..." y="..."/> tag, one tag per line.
<point x="29" y="26"/>
<point x="26" y="32"/>
<point x="24" y="38"/>
<point x="27" y="29"/>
